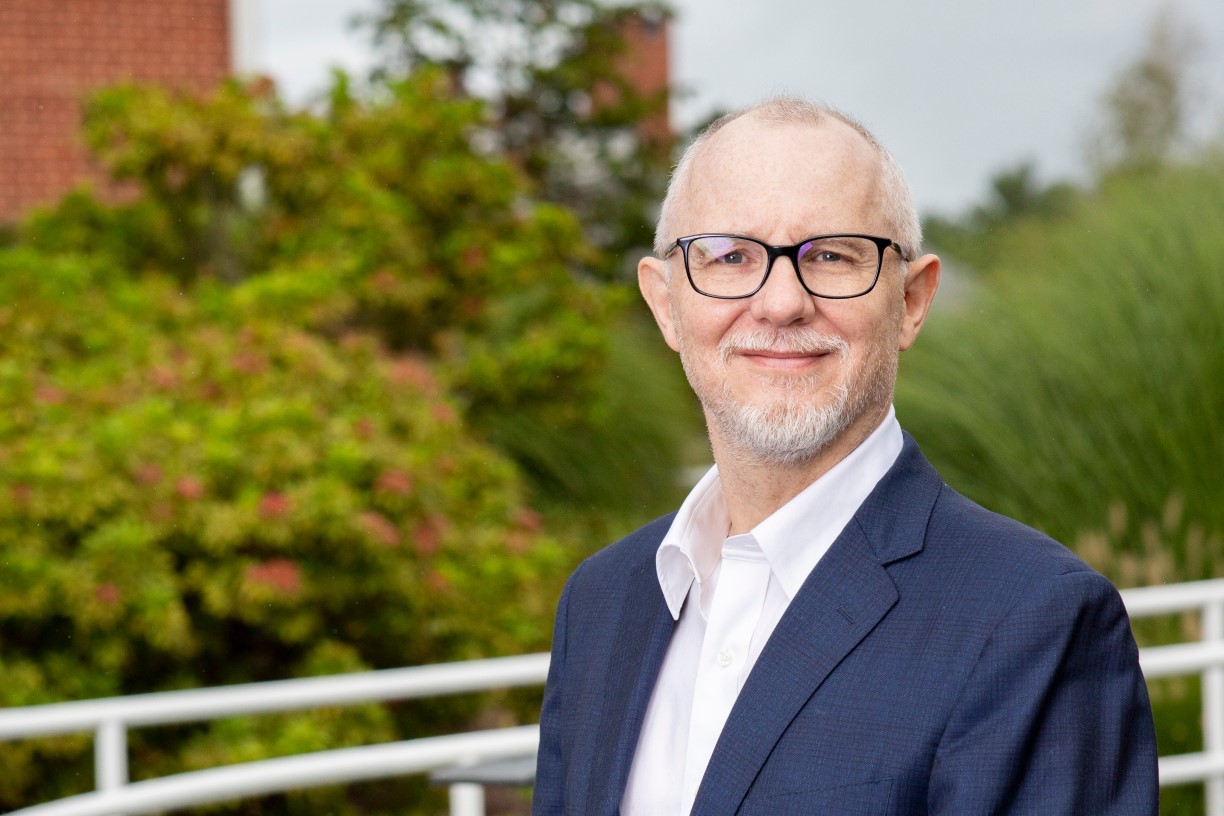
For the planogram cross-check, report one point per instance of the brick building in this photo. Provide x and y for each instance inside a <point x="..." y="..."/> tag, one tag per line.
<point x="53" y="52"/>
<point x="646" y="66"/>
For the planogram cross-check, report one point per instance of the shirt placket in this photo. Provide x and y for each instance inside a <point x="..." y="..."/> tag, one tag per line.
<point x="723" y="667"/>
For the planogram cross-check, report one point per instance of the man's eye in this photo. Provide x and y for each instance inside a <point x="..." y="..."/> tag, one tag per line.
<point x="731" y="258"/>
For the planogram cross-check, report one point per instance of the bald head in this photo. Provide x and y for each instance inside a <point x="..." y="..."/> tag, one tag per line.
<point x="891" y="195"/>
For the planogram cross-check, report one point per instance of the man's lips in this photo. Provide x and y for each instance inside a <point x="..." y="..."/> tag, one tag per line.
<point x="784" y="360"/>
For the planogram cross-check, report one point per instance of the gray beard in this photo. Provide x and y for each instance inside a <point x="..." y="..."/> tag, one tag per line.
<point x="792" y="430"/>
<point x="784" y="433"/>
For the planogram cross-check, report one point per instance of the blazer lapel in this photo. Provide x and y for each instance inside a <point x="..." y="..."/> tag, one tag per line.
<point x="841" y="601"/>
<point x="640" y="643"/>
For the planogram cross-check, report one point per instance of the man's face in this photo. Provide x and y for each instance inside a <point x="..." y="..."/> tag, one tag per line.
<point x="783" y="375"/>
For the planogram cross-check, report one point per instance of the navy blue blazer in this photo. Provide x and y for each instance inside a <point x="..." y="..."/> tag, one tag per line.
<point x="940" y="659"/>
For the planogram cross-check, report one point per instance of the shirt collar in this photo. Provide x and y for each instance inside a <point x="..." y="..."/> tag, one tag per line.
<point x="692" y="547"/>
<point x="793" y="538"/>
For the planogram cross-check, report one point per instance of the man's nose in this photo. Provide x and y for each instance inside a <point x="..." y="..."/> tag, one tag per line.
<point x="783" y="301"/>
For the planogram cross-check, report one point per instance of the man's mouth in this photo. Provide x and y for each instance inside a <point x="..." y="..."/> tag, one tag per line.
<point x="793" y="348"/>
<point x="783" y="360"/>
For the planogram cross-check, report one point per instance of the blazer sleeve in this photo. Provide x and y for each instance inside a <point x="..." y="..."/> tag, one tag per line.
<point x="1054" y="718"/>
<point x="548" y="795"/>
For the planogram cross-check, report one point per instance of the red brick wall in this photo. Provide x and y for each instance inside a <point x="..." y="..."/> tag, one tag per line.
<point x="52" y="52"/>
<point x="645" y="66"/>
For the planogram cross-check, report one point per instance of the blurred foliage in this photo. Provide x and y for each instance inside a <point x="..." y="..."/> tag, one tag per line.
<point x="198" y="492"/>
<point x="379" y="215"/>
<point x="1015" y="194"/>
<point x="1087" y="368"/>
<point x="267" y="409"/>
<point x="1147" y="108"/>
<point x="559" y="85"/>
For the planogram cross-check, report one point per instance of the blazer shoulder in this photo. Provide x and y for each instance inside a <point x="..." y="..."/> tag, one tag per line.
<point x="996" y="537"/>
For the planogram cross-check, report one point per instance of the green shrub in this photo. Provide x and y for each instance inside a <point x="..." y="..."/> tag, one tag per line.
<point x="195" y="501"/>
<point x="291" y="407"/>
<point x="1085" y="370"/>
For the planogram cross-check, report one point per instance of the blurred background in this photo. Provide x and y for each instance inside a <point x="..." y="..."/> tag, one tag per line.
<point x="320" y="350"/>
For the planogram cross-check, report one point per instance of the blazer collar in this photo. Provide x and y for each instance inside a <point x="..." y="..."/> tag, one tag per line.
<point x="843" y="599"/>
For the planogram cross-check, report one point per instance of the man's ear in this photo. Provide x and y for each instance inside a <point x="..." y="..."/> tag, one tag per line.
<point x="652" y="280"/>
<point x="921" y="281"/>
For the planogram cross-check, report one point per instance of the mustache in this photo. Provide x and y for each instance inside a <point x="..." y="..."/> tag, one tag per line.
<point x="789" y="341"/>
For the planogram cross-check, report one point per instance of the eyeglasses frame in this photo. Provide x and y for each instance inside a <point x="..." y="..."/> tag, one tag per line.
<point x="792" y="252"/>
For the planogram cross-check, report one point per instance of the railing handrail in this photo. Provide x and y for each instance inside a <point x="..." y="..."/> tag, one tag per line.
<point x="298" y="772"/>
<point x="111" y="717"/>
<point x="191" y="705"/>
<point x="1149" y="601"/>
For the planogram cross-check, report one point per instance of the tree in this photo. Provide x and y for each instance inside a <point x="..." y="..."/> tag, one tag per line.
<point x="197" y="492"/>
<point x="563" y="109"/>
<point x="240" y="439"/>
<point x="399" y="224"/>
<point x="1015" y="195"/>
<point x="290" y="404"/>
<point x="1145" y="109"/>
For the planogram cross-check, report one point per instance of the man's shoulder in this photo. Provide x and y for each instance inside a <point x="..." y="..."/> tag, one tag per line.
<point x="994" y="537"/>
<point x="946" y="550"/>
<point x="952" y="525"/>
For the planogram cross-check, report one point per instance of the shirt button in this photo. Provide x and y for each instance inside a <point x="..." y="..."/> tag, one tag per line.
<point x="725" y="657"/>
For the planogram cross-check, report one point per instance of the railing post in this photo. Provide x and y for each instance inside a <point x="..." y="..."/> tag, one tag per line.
<point x="466" y="799"/>
<point x="110" y="755"/>
<point x="1213" y="707"/>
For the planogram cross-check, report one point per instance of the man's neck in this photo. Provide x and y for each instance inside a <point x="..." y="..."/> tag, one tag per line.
<point x="755" y="489"/>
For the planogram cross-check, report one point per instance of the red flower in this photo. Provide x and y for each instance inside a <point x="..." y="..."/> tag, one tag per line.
<point x="274" y="505"/>
<point x="412" y="371"/>
<point x="394" y="481"/>
<point x="382" y="528"/>
<point x="518" y="542"/>
<point x="428" y="535"/>
<point x="148" y="473"/>
<point x="247" y="363"/>
<point x="475" y="256"/>
<point x="443" y="412"/>
<point x="108" y="594"/>
<point x="384" y="281"/>
<point x="164" y="378"/>
<point x="49" y="394"/>
<point x="189" y="488"/>
<point x="279" y="573"/>
<point x="528" y="519"/>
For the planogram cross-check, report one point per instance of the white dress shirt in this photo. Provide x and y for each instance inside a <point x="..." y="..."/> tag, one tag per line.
<point x="727" y="594"/>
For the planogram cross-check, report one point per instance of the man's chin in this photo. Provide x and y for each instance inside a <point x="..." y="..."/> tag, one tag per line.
<point x="782" y="432"/>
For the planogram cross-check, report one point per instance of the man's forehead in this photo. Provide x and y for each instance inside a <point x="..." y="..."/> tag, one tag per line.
<point x="750" y="164"/>
<point x="829" y="140"/>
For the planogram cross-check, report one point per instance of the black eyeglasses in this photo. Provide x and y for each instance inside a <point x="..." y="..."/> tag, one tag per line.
<point x="828" y="266"/>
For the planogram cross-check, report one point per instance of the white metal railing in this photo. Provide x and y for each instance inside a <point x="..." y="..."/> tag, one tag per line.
<point x="1205" y="658"/>
<point x="110" y="720"/>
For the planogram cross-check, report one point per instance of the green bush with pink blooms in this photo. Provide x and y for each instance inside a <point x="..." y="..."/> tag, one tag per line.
<point x="280" y="403"/>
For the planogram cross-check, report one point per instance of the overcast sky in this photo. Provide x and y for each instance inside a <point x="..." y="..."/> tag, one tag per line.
<point x="957" y="89"/>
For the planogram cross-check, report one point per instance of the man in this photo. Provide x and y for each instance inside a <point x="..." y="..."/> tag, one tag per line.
<point x="825" y="627"/>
